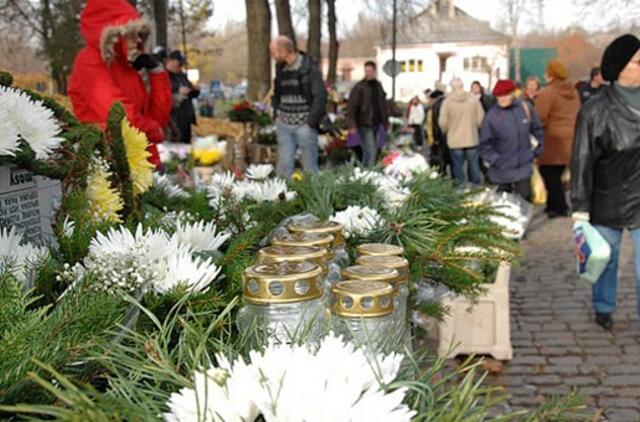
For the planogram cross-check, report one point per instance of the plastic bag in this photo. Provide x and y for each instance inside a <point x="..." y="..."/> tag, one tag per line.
<point x="592" y="250"/>
<point x="538" y="190"/>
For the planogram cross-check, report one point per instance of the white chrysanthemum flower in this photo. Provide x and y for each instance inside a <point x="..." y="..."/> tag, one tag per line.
<point x="394" y="196"/>
<point x="271" y="190"/>
<point x="68" y="227"/>
<point x="18" y="257"/>
<point x="8" y="134"/>
<point x="406" y="165"/>
<point x="358" y="221"/>
<point x="294" y="383"/>
<point x="200" y="237"/>
<point x="219" y="186"/>
<point x="163" y="184"/>
<point x="259" y="171"/>
<point x="34" y="122"/>
<point x="129" y="261"/>
<point x="183" y="269"/>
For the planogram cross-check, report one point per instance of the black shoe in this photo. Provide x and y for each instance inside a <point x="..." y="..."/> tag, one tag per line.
<point x="605" y="321"/>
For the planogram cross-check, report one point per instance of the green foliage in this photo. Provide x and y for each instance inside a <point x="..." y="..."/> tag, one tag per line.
<point x="119" y="159"/>
<point x="60" y="335"/>
<point x="6" y="79"/>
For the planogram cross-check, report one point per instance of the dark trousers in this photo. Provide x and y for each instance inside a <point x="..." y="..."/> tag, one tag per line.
<point x="522" y="188"/>
<point x="556" y="199"/>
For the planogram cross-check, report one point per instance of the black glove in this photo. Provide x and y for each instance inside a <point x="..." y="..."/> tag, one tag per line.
<point x="144" y="61"/>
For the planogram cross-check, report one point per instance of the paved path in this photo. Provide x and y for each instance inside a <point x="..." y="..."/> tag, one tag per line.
<point x="557" y="346"/>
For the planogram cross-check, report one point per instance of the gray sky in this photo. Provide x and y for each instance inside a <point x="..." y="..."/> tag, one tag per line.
<point x="559" y="14"/>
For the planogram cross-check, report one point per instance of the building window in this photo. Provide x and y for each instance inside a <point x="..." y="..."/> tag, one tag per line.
<point x="475" y="64"/>
<point x="420" y="66"/>
<point x="412" y="66"/>
<point x="403" y="66"/>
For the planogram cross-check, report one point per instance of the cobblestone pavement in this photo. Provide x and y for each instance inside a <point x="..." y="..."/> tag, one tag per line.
<point x="557" y="346"/>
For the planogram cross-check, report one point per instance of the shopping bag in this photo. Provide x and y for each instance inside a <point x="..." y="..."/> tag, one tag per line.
<point x="592" y="251"/>
<point x="538" y="190"/>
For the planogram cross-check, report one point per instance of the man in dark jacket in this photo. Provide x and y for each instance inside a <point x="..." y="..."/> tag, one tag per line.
<point x="605" y="168"/>
<point x="506" y="142"/>
<point x="183" y="114"/>
<point x="595" y="85"/>
<point x="368" y="112"/>
<point x="436" y="138"/>
<point x="300" y="103"/>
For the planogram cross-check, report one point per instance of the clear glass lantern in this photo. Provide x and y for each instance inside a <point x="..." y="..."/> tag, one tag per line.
<point x="362" y="311"/>
<point x="283" y="303"/>
<point x="401" y="296"/>
<point x="326" y="227"/>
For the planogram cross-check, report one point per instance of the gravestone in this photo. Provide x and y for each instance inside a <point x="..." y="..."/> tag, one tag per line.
<point x="28" y="202"/>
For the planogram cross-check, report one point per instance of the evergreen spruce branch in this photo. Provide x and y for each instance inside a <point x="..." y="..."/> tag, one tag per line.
<point x="6" y="78"/>
<point x="119" y="158"/>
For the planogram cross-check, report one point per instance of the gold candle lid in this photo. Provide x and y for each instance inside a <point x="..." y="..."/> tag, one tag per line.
<point x="282" y="282"/>
<point x="366" y="299"/>
<point x="316" y="226"/>
<point x="371" y="273"/>
<point x="322" y="240"/>
<point x="379" y="249"/>
<point x="398" y="263"/>
<point x="292" y="254"/>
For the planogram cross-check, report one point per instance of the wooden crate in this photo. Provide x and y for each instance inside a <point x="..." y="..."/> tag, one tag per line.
<point x="481" y="328"/>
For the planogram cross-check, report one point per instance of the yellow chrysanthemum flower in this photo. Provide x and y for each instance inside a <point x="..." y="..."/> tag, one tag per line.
<point x="135" y="143"/>
<point x="297" y="176"/>
<point x="104" y="201"/>
<point x="207" y="157"/>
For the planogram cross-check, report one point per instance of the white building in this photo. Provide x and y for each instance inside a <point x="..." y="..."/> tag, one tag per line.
<point x="441" y="43"/>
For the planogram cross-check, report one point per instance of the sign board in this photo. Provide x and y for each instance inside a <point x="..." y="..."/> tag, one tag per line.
<point x="27" y="202"/>
<point x="392" y="68"/>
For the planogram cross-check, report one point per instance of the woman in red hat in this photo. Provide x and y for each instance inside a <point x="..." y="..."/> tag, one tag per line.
<point x="510" y="139"/>
<point x="110" y="68"/>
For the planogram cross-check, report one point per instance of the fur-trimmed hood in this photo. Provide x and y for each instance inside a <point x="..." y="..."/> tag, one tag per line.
<point x="103" y="23"/>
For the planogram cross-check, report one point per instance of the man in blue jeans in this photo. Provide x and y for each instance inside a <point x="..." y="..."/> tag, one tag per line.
<point x="300" y="102"/>
<point x="368" y="113"/>
<point x="605" y="167"/>
<point x="460" y="118"/>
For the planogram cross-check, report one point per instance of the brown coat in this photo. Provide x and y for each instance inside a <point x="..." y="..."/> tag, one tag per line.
<point x="558" y="106"/>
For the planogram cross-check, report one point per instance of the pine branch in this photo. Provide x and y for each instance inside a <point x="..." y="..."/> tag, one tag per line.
<point x="119" y="158"/>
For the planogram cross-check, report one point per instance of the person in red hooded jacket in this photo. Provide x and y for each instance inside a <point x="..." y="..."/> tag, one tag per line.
<point x="112" y="66"/>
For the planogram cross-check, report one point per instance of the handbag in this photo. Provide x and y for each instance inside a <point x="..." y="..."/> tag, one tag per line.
<point x="593" y="252"/>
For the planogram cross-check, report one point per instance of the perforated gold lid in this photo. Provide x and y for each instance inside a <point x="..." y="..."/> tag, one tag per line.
<point x="370" y="273"/>
<point x="379" y="249"/>
<point x="282" y="282"/>
<point x="316" y="226"/>
<point x="323" y="240"/>
<point x="366" y="299"/>
<point x="398" y="263"/>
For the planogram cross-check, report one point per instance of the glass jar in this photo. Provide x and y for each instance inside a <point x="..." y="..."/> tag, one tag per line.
<point x="314" y="254"/>
<point x="327" y="227"/>
<point x="283" y="303"/>
<point x="362" y="311"/>
<point x="321" y="240"/>
<point x="401" y="296"/>
<point x="379" y="249"/>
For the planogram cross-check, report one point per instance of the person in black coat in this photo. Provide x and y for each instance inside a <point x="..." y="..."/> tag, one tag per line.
<point x="437" y="139"/>
<point x="183" y="114"/>
<point x="605" y="167"/>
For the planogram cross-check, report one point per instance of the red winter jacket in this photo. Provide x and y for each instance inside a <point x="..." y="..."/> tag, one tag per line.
<point x="102" y="75"/>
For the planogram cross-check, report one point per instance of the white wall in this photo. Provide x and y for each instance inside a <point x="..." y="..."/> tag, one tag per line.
<point x="410" y="84"/>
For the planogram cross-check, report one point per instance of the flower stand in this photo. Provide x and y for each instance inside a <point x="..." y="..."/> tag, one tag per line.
<point x="482" y="327"/>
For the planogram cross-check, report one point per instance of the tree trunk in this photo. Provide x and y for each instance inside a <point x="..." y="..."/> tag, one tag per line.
<point x="285" y="24"/>
<point x="334" y="45"/>
<point x="315" y="22"/>
<point x="160" y="18"/>
<point x="183" y="28"/>
<point x="259" y="36"/>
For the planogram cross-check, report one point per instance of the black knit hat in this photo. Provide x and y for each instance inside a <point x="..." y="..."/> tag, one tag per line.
<point x="617" y="55"/>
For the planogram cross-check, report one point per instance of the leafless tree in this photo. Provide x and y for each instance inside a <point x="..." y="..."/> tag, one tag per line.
<point x="160" y="9"/>
<point x="315" y="29"/>
<point x="334" y="45"/>
<point x="285" y="24"/>
<point x="259" y="35"/>
<point x="619" y="13"/>
<point x="514" y="11"/>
